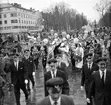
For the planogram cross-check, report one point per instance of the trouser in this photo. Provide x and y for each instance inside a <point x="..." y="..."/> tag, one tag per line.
<point x="44" y="62"/>
<point x="31" y="78"/>
<point x="17" y="88"/>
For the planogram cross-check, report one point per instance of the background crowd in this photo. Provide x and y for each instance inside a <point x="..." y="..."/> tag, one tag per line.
<point x="69" y="49"/>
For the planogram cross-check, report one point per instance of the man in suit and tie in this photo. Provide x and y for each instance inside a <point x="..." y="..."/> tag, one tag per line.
<point x="100" y="88"/>
<point x="54" y="72"/>
<point x="54" y="87"/>
<point x="29" y="65"/>
<point x="19" y="77"/>
<point x="88" y="68"/>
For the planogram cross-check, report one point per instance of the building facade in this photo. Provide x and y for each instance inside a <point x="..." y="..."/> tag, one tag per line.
<point x="14" y="19"/>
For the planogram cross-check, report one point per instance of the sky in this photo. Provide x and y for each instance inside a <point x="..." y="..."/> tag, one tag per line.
<point x="82" y="6"/>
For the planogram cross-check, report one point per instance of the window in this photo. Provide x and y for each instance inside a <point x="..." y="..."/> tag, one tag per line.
<point x="24" y="21"/>
<point x="1" y="9"/>
<point x="5" y="22"/>
<point x="0" y="16"/>
<point x="13" y="27"/>
<point x="14" y="21"/>
<point x="22" y="26"/>
<point x="5" y="15"/>
<point x="9" y="27"/>
<point x="5" y="28"/>
<point x="19" y="21"/>
<point x="1" y="28"/>
<point x="13" y="14"/>
<point x="18" y="14"/>
<point x="0" y="22"/>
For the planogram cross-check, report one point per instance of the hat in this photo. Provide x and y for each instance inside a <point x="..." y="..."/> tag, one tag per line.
<point x="101" y="59"/>
<point x="52" y="60"/>
<point x="54" y="82"/>
<point x="89" y="54"/>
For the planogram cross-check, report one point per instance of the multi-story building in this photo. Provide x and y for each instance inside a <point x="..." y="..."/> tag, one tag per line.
<point x="14" y="19"/>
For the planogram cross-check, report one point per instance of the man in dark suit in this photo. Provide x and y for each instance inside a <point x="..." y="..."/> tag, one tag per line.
<point x="100" y="88"/>
<point x="88" y="68"/>
<point x="19" y="77"/>
<point x="56" y="73"/>
<point x="44" y="51"/>
<point x="54" y="87"/>
<point x="30" y="67"/>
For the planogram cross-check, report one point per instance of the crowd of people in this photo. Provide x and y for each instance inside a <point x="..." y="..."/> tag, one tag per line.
<point x="82" y="51"/>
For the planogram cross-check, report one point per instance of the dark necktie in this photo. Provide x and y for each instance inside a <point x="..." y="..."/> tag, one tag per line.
<point x="54" y="74"/>
<point x="55" y="103"/>
<point x="16" y="65"/>
<point x="89" y="66"/>
<point x="102" y="78"/>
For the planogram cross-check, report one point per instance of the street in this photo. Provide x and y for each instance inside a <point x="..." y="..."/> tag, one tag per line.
<point x="38" y="92"/>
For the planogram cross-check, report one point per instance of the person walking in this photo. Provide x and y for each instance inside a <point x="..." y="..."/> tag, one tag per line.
<point x="54" y="87"/>
<point x="19" y="77"/>
<point x="54" y="72"/>
<point x="30" y="67"/>
<point x="100" y="88"/>
<point x="87" y="69"/>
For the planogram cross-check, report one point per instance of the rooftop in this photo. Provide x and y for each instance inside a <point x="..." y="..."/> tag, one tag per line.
<point x="8" y="5"/>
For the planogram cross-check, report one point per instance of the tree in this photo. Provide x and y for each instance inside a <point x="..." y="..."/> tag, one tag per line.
<point x="61" y="17"/>
<point x="102" y="6"/>
<point x="106" y="19"/>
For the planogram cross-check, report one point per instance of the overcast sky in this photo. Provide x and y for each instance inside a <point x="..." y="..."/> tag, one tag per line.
<point x="85" y="6"/>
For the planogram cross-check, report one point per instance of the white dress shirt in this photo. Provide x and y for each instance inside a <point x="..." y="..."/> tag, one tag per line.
<point x="90" y="65"/>
<point x="101" y="73"/>
<point x="55" y="72"/>
<point x="52" y="101"/>
<point x="16" y="64"/>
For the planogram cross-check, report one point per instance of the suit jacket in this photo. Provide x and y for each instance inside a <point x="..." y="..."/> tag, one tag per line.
<point x="65" y="100"/>
<point x="100" y="92"/>
<point x="62" y="67"/>
<point x="86" y="75"/>
<point x="56" y="50"/>
<point x="29" y="65"/>
<point x="61" y="74"/>
<point x="21" y="74"/>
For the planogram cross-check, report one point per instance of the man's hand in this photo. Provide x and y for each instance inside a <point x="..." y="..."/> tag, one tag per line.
<point x="33" y="73"/>
<point x="82" y="88"/>
<point x="26" y="81"/>
<point x="88" y="100"/>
